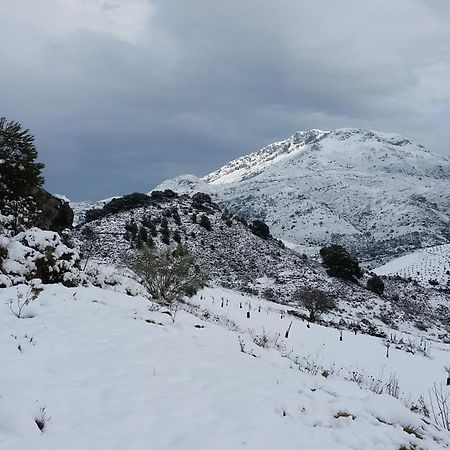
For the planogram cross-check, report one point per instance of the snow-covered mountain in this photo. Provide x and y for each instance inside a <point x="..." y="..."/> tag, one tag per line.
<point x="377" y="193"/>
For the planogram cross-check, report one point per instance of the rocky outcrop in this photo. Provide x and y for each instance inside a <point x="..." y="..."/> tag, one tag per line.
<point x="56" y="213"/>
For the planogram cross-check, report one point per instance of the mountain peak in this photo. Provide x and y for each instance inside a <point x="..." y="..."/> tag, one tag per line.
<point x="377" y="193"/>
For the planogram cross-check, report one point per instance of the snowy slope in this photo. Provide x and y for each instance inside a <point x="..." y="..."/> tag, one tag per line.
<point x="426" y="265"/>
<point x="234" y="257"/>
<point x="377" y="193"/>
<point x="104" y="371"/>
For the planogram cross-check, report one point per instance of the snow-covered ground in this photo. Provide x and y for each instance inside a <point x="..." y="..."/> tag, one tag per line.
<point x="104" y="370"/>
<point x="425" y="265"/>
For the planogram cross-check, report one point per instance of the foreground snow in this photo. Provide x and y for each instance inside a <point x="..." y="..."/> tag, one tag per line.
<point x="111" y="374"/>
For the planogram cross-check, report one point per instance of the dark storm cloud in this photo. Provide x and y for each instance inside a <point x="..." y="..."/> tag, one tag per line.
<point x="123" y="94"/>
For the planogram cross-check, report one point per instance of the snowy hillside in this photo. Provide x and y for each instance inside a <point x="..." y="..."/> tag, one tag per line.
<point x="428" y="266"/>
<point x="96" y="370"/>
<point x="236" y="258"/>
<point x="379" y="194"/>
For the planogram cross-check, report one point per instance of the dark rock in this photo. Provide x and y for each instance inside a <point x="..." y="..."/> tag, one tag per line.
<point x="56" y="213"/>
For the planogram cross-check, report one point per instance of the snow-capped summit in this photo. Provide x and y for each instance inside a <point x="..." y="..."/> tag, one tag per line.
<point x="378" y="193"/>
<point x="254" y="163"/>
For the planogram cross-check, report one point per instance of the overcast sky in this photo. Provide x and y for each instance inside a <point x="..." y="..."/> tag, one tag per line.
<point x="122" y="94"/>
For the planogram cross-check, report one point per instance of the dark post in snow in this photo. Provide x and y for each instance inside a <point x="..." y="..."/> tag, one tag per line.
<point x="387" y="345"/>
<point x="447" y="369"/>
<point x="307" y="325"/>
<point x="248" y="314"/>
<point x="222" y="303"/>
<point x="286" y="335"/>
<point x="259" y="308"/>
<point x="240" y="305"/>
<point x="340" y="335"/>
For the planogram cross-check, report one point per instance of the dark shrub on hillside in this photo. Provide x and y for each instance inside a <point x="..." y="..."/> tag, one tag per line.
<point x="259" y="228"/>
<point x="200" y="198"/>
<point x="339" y="263"/>
<point x="205" y="222"/>
<point x="375" y="284"/>
<point x="125" y="203"/>
<point x="164" y="195"/>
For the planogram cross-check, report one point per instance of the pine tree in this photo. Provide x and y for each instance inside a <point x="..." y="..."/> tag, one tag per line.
<point x="339" y="263"/>
<point x="20" y="173"/>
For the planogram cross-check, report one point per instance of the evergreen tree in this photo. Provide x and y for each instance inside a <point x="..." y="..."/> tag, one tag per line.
<point x="375" y="284"/>
<point x="259" y="228"/>
<point x="205" y="222"/>
<point x="165" y="233"/>
<point x="177" y="237"/>
<point x="176" y="216"/>
<point x="339" y="263"/>
<point x="20" y="173"/>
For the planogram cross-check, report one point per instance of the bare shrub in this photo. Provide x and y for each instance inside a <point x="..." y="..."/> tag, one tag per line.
<point x="315" y="301"/>
<point x="264" y="340"/>
<point x="440" y="406"/>
<point x="23" y="300"/>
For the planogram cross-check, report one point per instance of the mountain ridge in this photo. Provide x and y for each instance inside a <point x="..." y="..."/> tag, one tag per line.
<point x="378" y="193"/>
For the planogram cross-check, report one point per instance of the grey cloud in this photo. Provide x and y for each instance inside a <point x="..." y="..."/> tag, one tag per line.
<point x="209" y="80"/>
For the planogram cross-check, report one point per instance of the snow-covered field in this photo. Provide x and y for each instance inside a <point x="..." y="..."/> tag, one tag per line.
<point x="425" y="265"/>
<point x="103" y="370"/>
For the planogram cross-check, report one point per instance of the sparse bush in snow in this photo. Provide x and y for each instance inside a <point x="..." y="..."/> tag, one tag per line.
<point x="440" y="406"/>
<point x="168" y="275"/>
<point x="315" y="301"/>
<point x="23" y="299"/>
<point x="265" y="340"/>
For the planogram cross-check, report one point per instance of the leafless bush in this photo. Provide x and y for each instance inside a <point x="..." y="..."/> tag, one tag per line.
<point x="241" y="344"/>
<point x="440" y="406"/>
<point x="315" y="301"/>
<point x="264" y="340"/>
<point x="392" y="387"/>
<point x="23" y="300"/>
